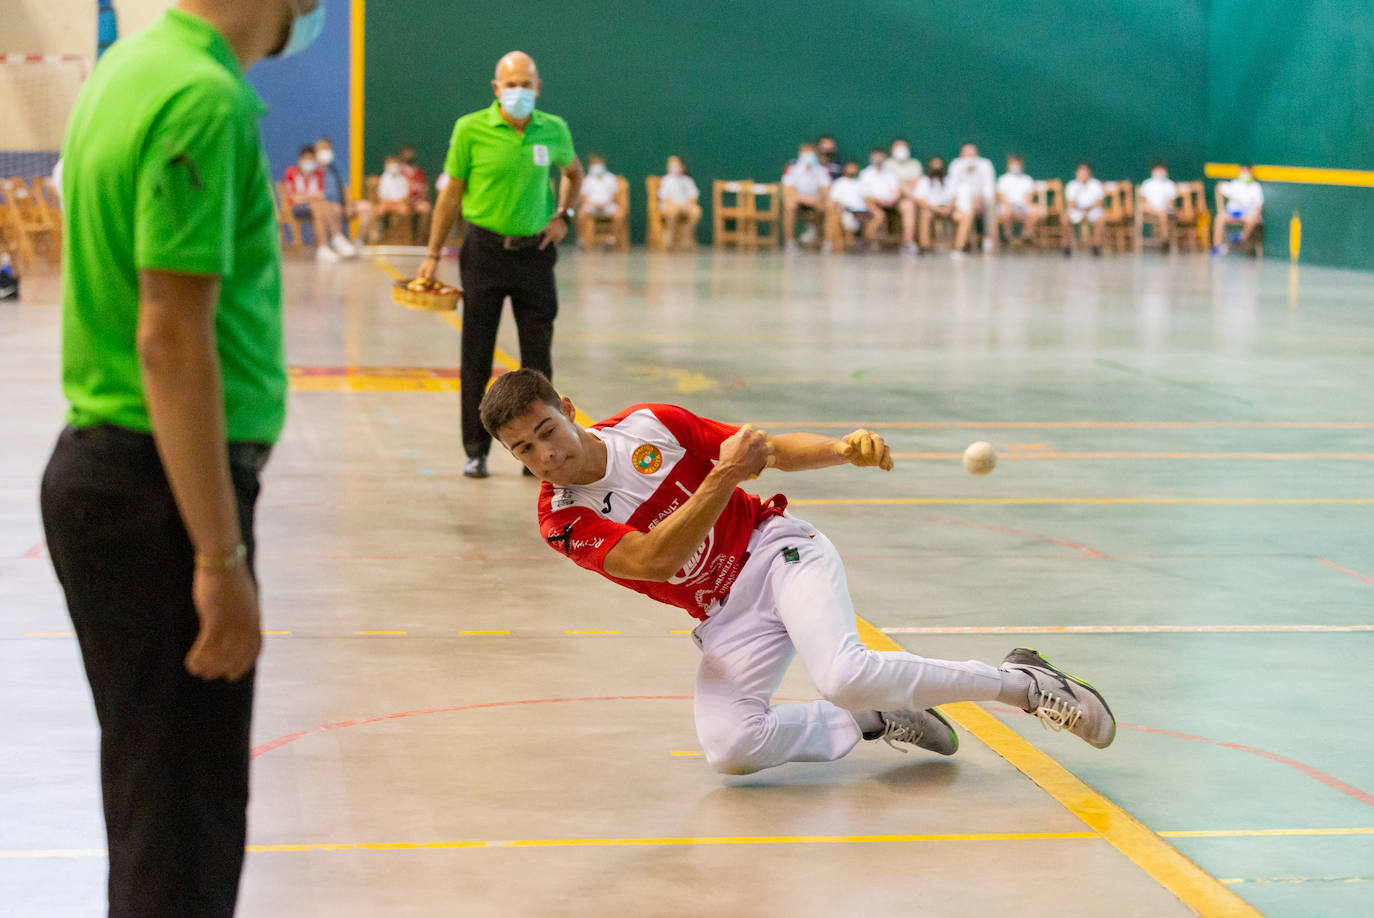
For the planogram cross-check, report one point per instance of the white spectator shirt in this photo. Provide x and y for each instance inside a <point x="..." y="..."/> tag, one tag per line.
<point x="906" y="171"/>
<point x="1159" y="193"/>
<point x="393" y="187"/>
<point x="933" y="191"/>
<point x="849" y="193"/>
<point x="680" y="189"/>
<point x="808" y="181"/>
<point x="1016" y="188"/>
<point x="1245" y="197"/>
<point x="599" y="190"/>
<point x="972" y="175"/>
<point x="879" y="184"/>
<point x="1084" y="195"/>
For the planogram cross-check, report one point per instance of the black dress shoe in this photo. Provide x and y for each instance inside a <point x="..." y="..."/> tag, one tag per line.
<point x="476" y="468"/>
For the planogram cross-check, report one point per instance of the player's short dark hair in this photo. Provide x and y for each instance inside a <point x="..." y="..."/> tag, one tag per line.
<point x="1016" y="156"/>
<point x="512" y="394"/>
<point x="308" y="148"/>
<point x="1084" y="164"/>
<point x="1159" y="164"/>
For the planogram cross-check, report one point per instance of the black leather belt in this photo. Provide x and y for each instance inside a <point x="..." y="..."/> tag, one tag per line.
<point x="506" y="242"/>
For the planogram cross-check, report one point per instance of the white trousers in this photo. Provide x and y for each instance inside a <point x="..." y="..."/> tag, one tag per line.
<point x="780" y="607"/>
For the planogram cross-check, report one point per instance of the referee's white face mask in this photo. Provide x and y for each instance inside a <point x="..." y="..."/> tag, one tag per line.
<point x="306" y="26"/>
<point x="517" y="101"/>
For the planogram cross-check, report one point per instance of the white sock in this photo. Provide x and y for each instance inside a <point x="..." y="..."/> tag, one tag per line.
<point x="1016" y="687"/>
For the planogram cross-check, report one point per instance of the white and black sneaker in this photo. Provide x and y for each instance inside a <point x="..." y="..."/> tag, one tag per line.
<point x="926" y="729"/>
<point x="1062" y="702"/>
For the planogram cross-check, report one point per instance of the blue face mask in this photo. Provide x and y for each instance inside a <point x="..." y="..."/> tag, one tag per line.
<point x="304" y="30"/>
<point x="809" y="159"/>
<point x="517" y="101"/>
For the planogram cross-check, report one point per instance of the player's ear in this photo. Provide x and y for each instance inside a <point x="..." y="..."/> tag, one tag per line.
<point x="569" y="410"/>
<point x="496" y="88"/>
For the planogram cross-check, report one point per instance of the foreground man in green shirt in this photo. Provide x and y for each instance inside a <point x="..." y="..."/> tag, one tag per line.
<point x="173" y="364"/>
<point x="499" y="160"/>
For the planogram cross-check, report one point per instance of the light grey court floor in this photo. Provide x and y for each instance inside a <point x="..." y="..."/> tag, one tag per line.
<point x="453" y="720"/>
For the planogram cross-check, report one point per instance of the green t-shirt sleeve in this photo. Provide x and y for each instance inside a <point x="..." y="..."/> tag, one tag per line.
<point x="456" y="164"/>
<point x="565" y="153"/>
<point x="185" y="195"/>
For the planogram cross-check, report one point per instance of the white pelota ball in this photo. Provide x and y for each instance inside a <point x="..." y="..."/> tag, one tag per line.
<point x="980" y="458"/>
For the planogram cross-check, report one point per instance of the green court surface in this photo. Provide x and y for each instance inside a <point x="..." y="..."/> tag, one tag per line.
<point x="1183" y="514"/>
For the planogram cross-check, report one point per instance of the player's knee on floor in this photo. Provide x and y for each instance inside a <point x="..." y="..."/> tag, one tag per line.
<point x="739" y="751"/>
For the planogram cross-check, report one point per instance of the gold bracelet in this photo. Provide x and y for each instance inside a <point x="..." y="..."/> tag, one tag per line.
<point x="225" y="561"/>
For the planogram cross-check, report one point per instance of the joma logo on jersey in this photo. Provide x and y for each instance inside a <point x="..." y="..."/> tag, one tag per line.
<point x="647" y="459"/>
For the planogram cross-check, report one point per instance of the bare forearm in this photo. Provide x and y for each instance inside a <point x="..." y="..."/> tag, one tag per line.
<point x="570" y="194"/>
<point x="446" y="211"/>
<point x="798" y="452"/>
<point x="663" y="550"/>
<point x="181" y="380"/>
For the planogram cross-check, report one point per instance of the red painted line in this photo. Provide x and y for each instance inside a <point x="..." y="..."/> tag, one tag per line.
<point x="36" y="551"/>
<point x="292" y="737"/>
<point x="1315" y="773"/>
<point x="1345" y="570"/>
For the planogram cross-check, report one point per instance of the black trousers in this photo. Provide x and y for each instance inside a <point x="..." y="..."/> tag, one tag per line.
<point x="173" y="748"/>
<point x="490" y="273"/>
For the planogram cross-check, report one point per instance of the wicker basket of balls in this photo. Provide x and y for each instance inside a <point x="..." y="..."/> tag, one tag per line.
<point x="429" y="295"/>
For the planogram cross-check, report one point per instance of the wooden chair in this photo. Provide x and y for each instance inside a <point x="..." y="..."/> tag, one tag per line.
<point x="1194" y="219"/>
<point x="764" y="223"/>
<point x="390" y="228"/>
<point x="26" y="224"/>
<point x="292" y="241"/>
<point x="606" y="229"/>
<point x="50" y="200"/>
<point x="730" y="221"/>
<point x="1052" y="230"/>
<point x="1118" y="205"/>
<point x="1160" y="231"/>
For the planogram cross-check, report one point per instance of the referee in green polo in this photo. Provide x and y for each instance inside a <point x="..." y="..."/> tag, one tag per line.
<point x="173" y="365"/>
<point x="498" y="166"/>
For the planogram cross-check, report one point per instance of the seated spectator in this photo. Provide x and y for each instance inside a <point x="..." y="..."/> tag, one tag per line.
<point x="972" y="180"/>
<point x="1084" y="199"/>
<point x="882" y="192"/>
<point x="1015" y="194"/>
<point x="393" y="191"/>
<point x="419" y="189"/>
<point x="847" y="206"/>
<point x="1240" y="200"/>
<point x="341" y="204"/>
<point x="679" y="205"/>
<point x="599" y="190"/>
<point x="305" y="197"/>
<point x="828" y="152"/>
<point x="1157" y="194"/>
<point x="804" y="187"/>
<point x="934" y="198"/>
<point x="906" y="169"/>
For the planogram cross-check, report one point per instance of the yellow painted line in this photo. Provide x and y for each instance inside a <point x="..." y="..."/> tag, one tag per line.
<point x="1265" y="833"/>
<point x="275" y="633"/>
<point x="479" y="633"/>
<point x="685" y="752"/>
<point x="681" y="631"/>
<point x="1199" y="890"/>
<point x="1299" y="175"/>
<point x="592" y="632"/>
<point x="356" y="86"/>
<point x="378" y="633"/>
<point x="44" y="634"/>
<point x="374" y="383"/>
<point x="1220" y="501"/>
<point x="1128" y="629"/>
<point x="1344" y="457"/>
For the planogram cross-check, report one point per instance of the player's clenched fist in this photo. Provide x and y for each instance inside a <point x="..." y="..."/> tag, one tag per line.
<point x="748" y="452"/>
<point x="864" y="448"/>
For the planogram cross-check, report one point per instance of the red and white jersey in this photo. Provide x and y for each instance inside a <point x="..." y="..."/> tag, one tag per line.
<point x="301" y="185"/>
<point x="656" y="458"/>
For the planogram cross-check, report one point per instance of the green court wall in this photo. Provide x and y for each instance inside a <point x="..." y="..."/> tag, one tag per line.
<point x="1292" y="84"/>
<point x="734" y="86"/>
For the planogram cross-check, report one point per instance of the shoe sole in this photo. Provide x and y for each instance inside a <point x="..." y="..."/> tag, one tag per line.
<point x="948" y="726"/>
<point x="1089" y="687"/>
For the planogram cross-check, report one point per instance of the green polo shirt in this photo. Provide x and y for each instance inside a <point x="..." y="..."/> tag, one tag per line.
<point x="164" y="169"/>
<point x="507" y="172"/>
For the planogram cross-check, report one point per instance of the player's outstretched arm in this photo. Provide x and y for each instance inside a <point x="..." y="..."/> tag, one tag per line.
<point x="799" y="452"/>
<point x="662" y="551"/>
